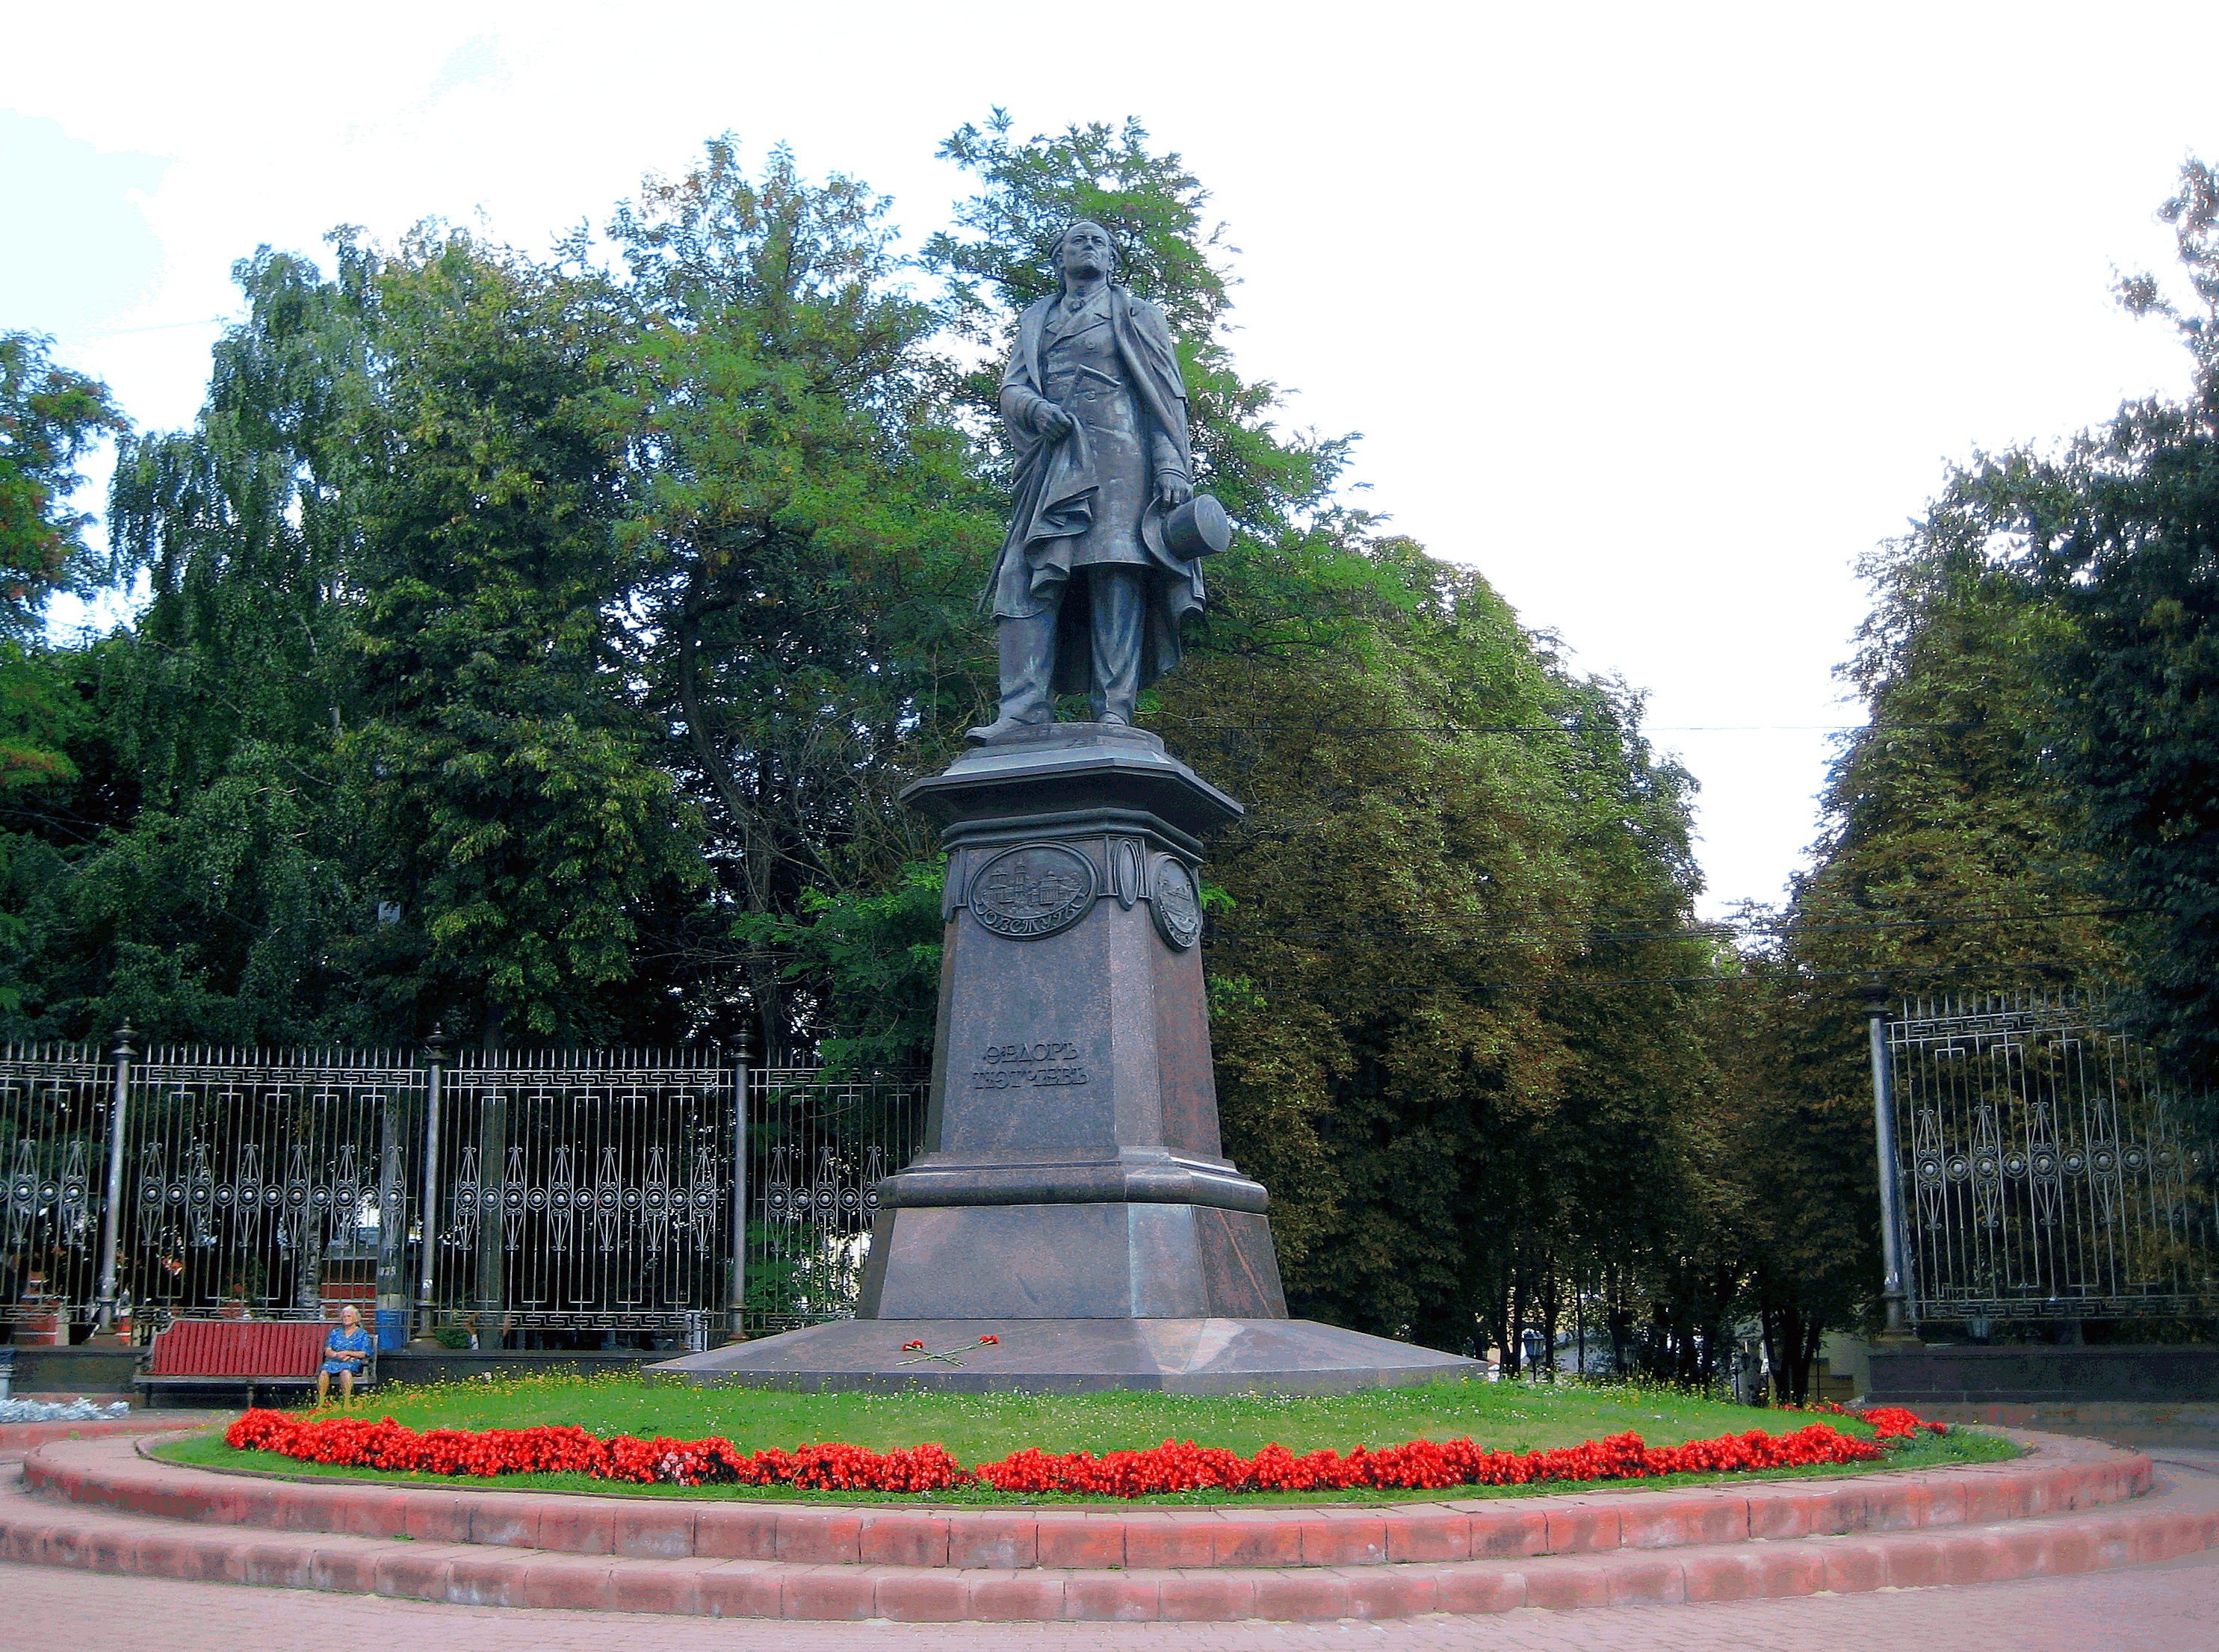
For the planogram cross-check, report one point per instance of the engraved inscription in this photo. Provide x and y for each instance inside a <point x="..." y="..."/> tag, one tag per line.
<point x="1019" y="1067"/>
<point x="1177" y="909"/>
<point x="1033" y="891"/>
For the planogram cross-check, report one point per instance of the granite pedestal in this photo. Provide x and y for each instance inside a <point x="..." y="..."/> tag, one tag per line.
<point x="1073" y="1199"/>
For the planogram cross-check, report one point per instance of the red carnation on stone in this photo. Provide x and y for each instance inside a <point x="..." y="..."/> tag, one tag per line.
<point x="911" y="1347"/>
<point x="982" y="1341"/>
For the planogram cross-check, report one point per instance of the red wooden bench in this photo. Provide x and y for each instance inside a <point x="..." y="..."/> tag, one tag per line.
<point x="241" y="1353"/>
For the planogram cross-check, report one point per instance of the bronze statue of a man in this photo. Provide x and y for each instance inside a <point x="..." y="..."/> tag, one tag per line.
<point x="1089" y="590"/>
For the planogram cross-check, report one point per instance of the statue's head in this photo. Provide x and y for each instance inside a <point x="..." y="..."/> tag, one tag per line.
<point x="1085" y="250"/>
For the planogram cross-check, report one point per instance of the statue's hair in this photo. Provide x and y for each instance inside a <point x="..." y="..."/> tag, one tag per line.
<point x="1116" y="253"/>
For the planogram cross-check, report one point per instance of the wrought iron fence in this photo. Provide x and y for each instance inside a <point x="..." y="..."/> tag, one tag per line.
<point x="2043" y="1170"/>
<point x="572" y="1198"/>
<point x="55" y="1101"/>
<point x="816" y="1150"/>
<point x="585" y="1192"/>
<point x="266" y="1184"/>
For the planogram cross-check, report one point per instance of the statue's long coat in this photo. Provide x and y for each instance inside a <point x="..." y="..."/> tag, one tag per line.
<point x="1056" y="488"/>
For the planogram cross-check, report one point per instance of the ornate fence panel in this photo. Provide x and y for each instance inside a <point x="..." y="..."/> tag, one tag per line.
<point x="817" y="1150"/>
<point x="2043" y="1170"/>
<point x="571" y="1195"/>
<point x="584" y="1191"/>
<point x="54" y="1101"/>
<point x="267" y="1182"/>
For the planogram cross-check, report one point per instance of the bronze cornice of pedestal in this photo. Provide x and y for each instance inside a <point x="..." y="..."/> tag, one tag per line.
<point x="1060" y="773"/>
<point x="1135" y="1176"/>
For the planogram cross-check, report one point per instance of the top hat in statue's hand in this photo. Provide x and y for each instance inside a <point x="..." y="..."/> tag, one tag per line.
<point x="1197" y="528"/>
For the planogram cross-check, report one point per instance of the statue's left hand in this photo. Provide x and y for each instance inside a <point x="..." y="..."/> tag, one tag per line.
<point x="1173" y="490"/>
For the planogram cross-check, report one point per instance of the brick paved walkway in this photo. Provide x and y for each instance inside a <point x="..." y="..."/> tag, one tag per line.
<point x="2171" y="1607"/>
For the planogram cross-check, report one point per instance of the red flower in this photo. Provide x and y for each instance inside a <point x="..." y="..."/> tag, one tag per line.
<point x="911" y="1347"/>
<point x="1174" y="1466"/>
<point x="982" y="1341"/>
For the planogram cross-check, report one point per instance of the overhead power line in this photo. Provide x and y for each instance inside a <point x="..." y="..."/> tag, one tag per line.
<point x="1583" y="982"/>
<point x="1210" y="726"/>
<point x="1513" y="934"/>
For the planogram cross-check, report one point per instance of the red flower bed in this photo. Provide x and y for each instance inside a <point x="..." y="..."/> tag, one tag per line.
<point x="1889" y="1422"/>
<point x="1420" y="1465"/>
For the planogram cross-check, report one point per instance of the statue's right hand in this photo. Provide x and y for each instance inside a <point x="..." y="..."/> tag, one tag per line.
<point x="1055" y="424"/>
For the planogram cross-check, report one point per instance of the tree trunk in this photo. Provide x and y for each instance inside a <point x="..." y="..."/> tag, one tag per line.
<point x="1549" y="1308"/>
<point x="1814" y="1333"/>
<point x="765" y="985"/>
<point x="1618" y="1324"/>
<point x="1497" y="1323"/>
<point x="1791" y="1346"/>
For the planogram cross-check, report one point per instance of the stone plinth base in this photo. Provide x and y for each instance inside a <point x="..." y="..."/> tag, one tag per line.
<point x="1159" y="1261"/>
<point x="1208" y="1356"/>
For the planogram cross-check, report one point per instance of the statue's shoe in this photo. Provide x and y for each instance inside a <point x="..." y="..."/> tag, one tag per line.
<point x="1000" y="729"/>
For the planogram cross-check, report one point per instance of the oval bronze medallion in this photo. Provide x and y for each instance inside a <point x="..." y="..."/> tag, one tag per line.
<point x="1177" y="907"/>
<point x="1033" y="891"/>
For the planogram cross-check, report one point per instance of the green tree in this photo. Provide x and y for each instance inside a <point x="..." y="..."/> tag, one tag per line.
<point x="1624" y="1166"/>
<point x="2033" y="800"/>
<point x="1946" y="862"/>
<point x="1950" y="860"/>
<point x="50" y="418"/>
<point x="190" y="881"/>
<point x="1943" y="867"/>
<point x="1789" y="1163"/>
<point x="2124" y="530"/>
<point x="242" y="525"/>
<point x="513" y="808"/>
<point x="1411" y="894"/>
<point x="811" y="531"/>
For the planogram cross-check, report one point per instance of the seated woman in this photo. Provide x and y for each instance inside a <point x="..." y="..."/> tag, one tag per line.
<point x="346" y="1350"/>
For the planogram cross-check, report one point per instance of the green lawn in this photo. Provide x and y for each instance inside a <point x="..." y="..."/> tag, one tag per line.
<point x="1507" y="1416"/>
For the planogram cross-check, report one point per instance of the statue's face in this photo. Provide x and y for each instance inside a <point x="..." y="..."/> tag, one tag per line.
<point x="1084" y="252"/>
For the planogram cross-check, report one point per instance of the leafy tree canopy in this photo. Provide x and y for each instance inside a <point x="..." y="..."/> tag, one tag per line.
<point x="50" y="418"/>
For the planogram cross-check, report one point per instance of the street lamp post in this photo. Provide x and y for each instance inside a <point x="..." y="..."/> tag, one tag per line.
<point x="435" y="1056"/>
<point x="112" y="1211"/>
<point x="1893" y="1295"/>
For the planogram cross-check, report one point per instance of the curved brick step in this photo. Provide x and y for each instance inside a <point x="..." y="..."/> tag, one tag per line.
<point x="2058" y="1475"/>
<point x="2175" y="1519"/>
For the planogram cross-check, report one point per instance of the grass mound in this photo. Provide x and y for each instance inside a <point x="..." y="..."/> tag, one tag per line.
<point x="1505" y="1416"/>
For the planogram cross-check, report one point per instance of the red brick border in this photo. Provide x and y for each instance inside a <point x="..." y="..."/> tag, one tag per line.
<point x="2057" y="1476"/>
<point x="2176" y="1520"/>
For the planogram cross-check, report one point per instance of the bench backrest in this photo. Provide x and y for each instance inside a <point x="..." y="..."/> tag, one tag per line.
<point x="240" y="1348"/>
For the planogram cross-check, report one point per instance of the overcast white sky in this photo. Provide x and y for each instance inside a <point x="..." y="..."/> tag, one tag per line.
<point x="1660" y="316"/>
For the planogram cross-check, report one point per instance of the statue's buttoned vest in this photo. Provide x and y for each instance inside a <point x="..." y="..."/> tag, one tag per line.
<point x="1084" y="376"/>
